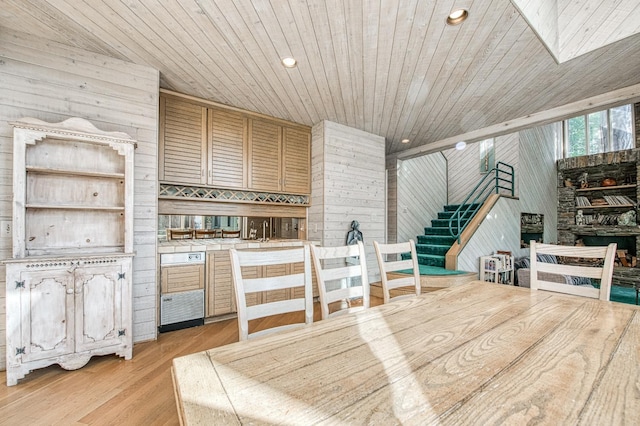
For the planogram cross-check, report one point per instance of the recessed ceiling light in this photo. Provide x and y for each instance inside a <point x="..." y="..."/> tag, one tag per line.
<point x="461" y="145"/>
<point x="405" y="140"/>
<point x="289" y="62"/>
<point x="457" y="17"/>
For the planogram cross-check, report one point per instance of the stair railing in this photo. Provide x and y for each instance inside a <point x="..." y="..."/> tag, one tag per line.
<point x="499" y="180"/>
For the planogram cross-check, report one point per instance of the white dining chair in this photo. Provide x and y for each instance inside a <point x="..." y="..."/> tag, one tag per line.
<point x="602" y="270"/>
<point x="341" y="275"/>
<point x="290" y="278"/>
<point x="391" y="262"/>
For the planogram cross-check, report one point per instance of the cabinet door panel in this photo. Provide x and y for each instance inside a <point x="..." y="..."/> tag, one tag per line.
<point x="182" y="278"/>
<point x="276" y="295"/>
<point x="252" y="272"/>
<point x="219" y="292"/>
<point x="298" y="292"/>
<point x="98" y="305"/>
<point x="296" y="161"/>
<point x="226" y="149"/>
<point x="47" y="314"/>
<point x="182" y="142"/>
<point x="265" y="156"/>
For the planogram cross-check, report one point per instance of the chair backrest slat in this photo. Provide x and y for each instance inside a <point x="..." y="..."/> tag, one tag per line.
<point x="603" y="270"/>
<point x="337" y="268"/>
<point x="393" y="265"/>
<point x="254" y="285"/>
<point x="287" y="261"/>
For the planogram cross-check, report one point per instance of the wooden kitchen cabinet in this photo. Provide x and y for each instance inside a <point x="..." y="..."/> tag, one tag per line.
<point x="275" y="295"/>
<point x="227" y="145"/>
<point x="280" y="158"/>
<point x="264" y="156"/>
<point x="219" y="286"/>
<point x="220" y="293"/>
<point x="296" y="161"/>
<point x="182" y="142"/>
<point x="230" y="149"/>
<point x="201" y="146"/>
<point x="68" y="285"/>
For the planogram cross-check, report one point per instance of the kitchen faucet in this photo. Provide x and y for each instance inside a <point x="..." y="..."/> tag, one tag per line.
<point x="265" y="225"/>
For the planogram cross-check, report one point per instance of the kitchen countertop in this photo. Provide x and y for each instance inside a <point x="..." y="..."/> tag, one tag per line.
<point x="210" y="244"/>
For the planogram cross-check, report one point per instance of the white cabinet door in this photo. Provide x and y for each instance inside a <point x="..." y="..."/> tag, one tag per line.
<point x="98" y="307"/>
<point x="46" y="309"/>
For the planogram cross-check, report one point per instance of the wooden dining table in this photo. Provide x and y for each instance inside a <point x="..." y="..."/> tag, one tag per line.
<point x="477" y="353"/>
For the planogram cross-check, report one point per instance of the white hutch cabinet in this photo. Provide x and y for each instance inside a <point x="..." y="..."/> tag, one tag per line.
<point x="69" y="283"/>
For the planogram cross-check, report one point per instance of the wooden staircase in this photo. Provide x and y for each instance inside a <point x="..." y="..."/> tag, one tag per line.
<point x="433" y="245"/>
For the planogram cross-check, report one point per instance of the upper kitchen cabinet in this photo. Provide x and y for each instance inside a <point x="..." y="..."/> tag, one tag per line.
<point x="210" y="145"/>
<point x="296" y="161"/>
<point x="183" y="142"/>
<point x="264" y="156"/>
<point x="280" y="158"/>
<point x="226" y="149"/>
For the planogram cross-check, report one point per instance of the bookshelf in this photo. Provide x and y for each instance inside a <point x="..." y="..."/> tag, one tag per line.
<point x="497" y="268"/>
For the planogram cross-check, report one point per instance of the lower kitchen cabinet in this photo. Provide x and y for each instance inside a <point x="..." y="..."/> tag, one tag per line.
<point x="219" y="286"/>
<point x="64" y="311"/>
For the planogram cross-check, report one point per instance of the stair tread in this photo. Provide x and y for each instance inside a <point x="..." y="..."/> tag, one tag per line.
<point x="431" y="256"/>
<point x="437" y="237"/>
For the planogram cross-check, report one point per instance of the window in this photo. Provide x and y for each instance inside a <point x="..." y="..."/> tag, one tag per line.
<point x="602" y="131"/>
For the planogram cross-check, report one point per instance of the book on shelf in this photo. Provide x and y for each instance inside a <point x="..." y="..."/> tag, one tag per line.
<point x="582" y="202"/>
<point x="498" y="262"/>
<point x="490" y="264"/>
<point x="618" y="200"/>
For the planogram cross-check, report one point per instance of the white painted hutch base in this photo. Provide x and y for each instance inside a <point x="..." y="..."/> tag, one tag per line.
<point x="66" y="310"/>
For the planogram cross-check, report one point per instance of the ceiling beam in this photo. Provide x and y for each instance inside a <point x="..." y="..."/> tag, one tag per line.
<point x="626" y="95"/>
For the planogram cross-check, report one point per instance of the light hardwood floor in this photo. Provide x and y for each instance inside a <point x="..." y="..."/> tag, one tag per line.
<point x="112" y="391"/>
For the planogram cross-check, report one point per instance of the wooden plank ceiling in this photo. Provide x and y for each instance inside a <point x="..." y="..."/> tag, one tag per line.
<point x="389" y="67"/>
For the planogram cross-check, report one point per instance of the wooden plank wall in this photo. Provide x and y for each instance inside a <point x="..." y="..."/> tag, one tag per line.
<point x="464" y="165"/>
<point x="422" y="192"/>
<point x="538" y="175"/>
<point x="53" y="82"/>
<point x="348" y="183"/>
<point x="500" y="231"/>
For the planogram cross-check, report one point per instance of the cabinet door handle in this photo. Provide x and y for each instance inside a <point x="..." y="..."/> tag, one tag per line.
<point x="69" y="291"/>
